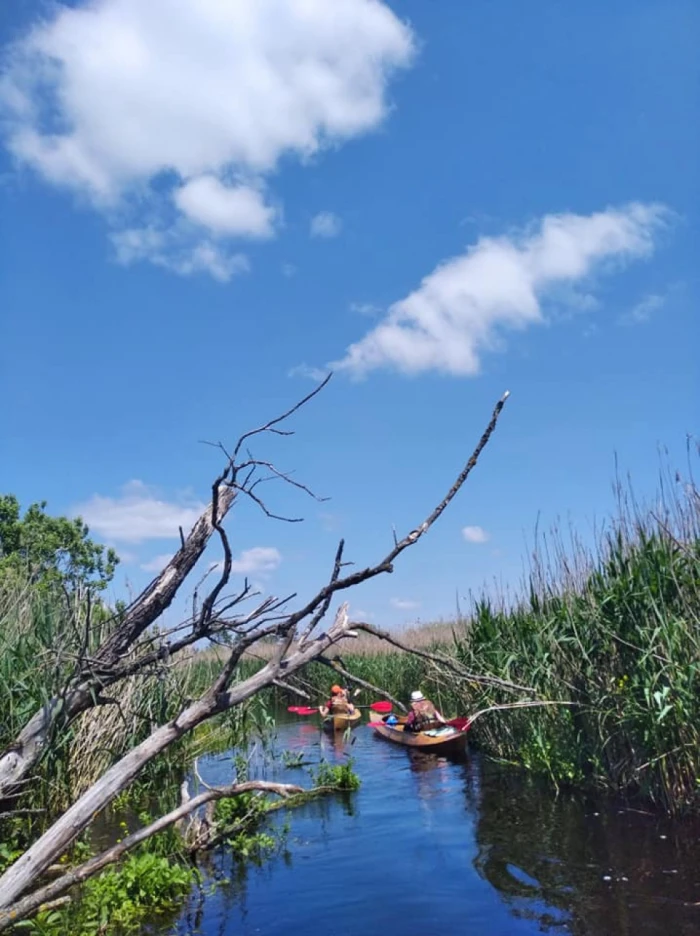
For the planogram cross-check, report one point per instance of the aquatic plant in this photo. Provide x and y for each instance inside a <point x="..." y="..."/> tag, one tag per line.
<point x="336" y="776"/>
<point x="120" y="899"/>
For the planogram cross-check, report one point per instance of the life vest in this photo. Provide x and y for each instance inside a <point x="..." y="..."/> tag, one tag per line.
<point x="338" y="706"/>
<point x="424" y="716"/>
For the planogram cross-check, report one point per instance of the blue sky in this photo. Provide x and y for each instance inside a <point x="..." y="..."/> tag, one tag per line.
<point x="201" y="209"/>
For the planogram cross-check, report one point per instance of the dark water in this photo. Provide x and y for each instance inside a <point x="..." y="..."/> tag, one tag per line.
<point x="432" y="847"/>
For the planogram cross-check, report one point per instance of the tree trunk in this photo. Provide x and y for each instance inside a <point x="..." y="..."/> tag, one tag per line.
<point x="47" y="896"/>
<point x="57" y="839"/>
<point x="22" y="756"/>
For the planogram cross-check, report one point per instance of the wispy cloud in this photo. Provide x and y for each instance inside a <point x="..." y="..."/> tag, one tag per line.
<point x="464" y="307"/>
<point x="325" y="224"/>
<point x="404" y="604"/>
<point x="138" y="514"/>
<point x="644" y="309"/>
<point x="173" y="251"/>
<point x="475" y="534"/>
<point x="157" y="563"/>
<point x="170" y="118"/>
<point x="260" y="561"/>
<point x="365" y="308"/>
<point x="311" y="373"/>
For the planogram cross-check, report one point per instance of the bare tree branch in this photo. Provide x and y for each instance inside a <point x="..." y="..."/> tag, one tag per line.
<point x="325" y="605"/>
<point x="346" y="674"/>
<point x="386" y="564"/>
<point x="37" y="900"/>
<point x="444" y="661"/>
<point x="77" y="692"/>
<point x="286" y="660"/>
<point x="270" y="426"/>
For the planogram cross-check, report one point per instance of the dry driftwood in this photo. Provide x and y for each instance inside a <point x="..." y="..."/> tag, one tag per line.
<point x="107" y="666"/>
<point x="50" y="894"/>
<point x="292" y="653"/>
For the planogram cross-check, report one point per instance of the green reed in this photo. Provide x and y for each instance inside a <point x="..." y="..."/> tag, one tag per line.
<point x="42" y="633"/>
<point x="614" y="629"/>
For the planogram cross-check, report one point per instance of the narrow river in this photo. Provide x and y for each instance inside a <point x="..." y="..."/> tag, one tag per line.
<point x="432" y="847"/>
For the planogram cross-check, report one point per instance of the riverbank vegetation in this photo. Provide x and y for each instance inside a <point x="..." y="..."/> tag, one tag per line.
<point x="616" y="631"/>
<point x="106" y="714"/>
<point x="613" y="628"/>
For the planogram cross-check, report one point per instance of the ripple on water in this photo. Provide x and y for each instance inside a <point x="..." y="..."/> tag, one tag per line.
<point x="436" y="847"/>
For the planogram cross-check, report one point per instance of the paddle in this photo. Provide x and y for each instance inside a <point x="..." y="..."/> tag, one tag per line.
<point x="461" y="724"/>
<point x="382" y="707"/>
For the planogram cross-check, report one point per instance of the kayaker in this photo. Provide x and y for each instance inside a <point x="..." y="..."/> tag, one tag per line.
<point x="423" y="715"/>
<point x="339" y="704"/>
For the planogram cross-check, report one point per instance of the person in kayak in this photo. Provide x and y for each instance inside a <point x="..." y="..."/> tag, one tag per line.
<point x="339" y="703"/>
<point x="423" y="715"/>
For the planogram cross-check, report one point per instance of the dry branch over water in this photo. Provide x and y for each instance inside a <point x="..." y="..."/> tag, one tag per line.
<point x="613" y="629"/>
<point x="126" y="647"/>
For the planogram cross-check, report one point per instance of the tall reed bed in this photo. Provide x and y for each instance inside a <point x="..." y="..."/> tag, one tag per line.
<point x="42" y="634"/>
<point x="614" y="628"/>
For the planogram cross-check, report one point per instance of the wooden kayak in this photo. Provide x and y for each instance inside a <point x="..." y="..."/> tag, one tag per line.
<point x="447" y="740"/>
<point x="339" y="722"/>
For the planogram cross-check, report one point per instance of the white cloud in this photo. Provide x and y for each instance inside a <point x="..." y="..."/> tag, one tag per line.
<point x="325" y="224"/>
<point x="177" y="253"/>
<point x="644" y="309"/>
<point x="475" y="534"/>
<point x="138" y="515"/>
<point x="304" y="370"/>
<point x="164" y="114"/>
<point x="259" y="560"/>
<point x="461" y="309"/>
<point x="403" y="604"/>
<point x="237" y="210"/>
<point x="157" y="563"/>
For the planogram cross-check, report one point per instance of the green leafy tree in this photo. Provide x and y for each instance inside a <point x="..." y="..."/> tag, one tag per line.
<point x="52" y="550"/>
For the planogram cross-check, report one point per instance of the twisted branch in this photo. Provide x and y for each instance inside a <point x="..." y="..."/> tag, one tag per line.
<point x="35" y="901"/>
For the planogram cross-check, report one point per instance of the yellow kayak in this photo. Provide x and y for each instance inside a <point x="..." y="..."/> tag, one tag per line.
<point x="339" y="722"/>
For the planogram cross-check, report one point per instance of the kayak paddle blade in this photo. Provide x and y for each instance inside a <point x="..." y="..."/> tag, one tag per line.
<point x="461" y="724"/>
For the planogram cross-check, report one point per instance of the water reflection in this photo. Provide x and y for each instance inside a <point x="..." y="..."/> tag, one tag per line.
<point x="501" y="856"/>
<point x="340" y="742"/>
<point x="600" y="868"/>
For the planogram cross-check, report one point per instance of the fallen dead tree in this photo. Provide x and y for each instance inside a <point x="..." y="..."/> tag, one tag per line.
<point x="300" y="639"/>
